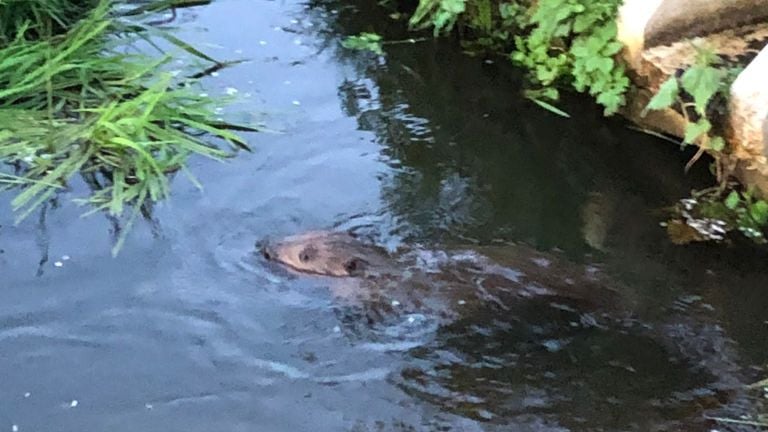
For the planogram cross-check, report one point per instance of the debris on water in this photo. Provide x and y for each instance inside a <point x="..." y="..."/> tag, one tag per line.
<point x="231" y="91"/>
<point x="484" y="414"/>
<point x="218" y="110"/>
<point x="552" y="345"/>
<point x="58" y="264"/>
<point x="74" y="403"/>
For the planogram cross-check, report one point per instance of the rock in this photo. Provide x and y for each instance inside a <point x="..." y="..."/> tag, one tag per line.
<point x="661" y="39"/>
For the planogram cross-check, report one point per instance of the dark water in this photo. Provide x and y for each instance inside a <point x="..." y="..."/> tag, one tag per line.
<point x="188" y="330"/>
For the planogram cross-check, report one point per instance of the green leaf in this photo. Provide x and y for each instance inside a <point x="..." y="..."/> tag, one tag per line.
<point x="551" y="108"/>
<point x="717" y="143"/>
<point x="583" y="22"/>
<point x="702" y="82"/>
<point x="605" y="65"/>
<point x="759" y="212"/>
<point x="666" y="96"/>
<point x="732" y="201"/>
<point x="364" y="41"/>
<point x="695" y="130"/>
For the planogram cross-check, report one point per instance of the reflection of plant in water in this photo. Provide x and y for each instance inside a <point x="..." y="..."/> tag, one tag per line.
<point x="78" y="102"/>
<point x="364" y="41"/>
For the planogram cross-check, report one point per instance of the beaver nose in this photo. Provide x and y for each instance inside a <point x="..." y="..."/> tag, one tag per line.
<point x="266" y="250"/>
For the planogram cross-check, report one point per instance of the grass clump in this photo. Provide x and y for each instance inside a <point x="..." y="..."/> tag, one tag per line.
<point x="78" y="102"/>
<point x="39" y="18"/>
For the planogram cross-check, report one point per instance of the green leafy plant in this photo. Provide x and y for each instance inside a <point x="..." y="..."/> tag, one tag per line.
<point x="700" y="83"/>
<point x="574" y="42"/>
<point x="710" y="213"/>
<point x="364" y="41"/>
<point x="440" y="14"/>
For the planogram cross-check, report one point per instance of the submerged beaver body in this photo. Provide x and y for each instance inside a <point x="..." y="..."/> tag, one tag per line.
<point x="488" y="289"/>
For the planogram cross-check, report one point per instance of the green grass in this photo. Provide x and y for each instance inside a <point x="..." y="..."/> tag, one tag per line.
<point x="40" y="18"/>
<point x="75" y="102"/>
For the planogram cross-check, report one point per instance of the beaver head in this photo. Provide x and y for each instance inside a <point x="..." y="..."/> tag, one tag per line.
<point x="327" y="253"/>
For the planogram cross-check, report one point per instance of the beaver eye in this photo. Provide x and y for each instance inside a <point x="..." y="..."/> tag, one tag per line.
<point x="304" y="257"/>
<point x="354" y="265"/>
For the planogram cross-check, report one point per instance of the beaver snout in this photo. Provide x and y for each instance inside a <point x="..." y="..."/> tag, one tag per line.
<point x="266" y="250"/>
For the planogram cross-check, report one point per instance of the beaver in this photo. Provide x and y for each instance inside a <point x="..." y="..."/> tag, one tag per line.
<point x="459" y="276"/>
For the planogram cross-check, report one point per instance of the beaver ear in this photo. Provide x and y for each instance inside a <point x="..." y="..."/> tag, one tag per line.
<point x="355" y="266"/>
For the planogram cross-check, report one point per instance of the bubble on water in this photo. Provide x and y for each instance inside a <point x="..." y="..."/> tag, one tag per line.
<point x="203" y="95"/>
<point x="462" y="302"/>
<point x="395" y="303"/>
<point x="27" y="394"/>
<point x="286" y="82"/>
<point x="14" y="428"/>
<point x="148" y="406"/>
<point x="58" y="264"/>
<point x="214" y="74"/>
<point x="297" y="41"/>
<point x="74" y="403"/>
<point x="297" y="103"/>
<point x="65" y="257"/>
<point x="238" y="51"/>
<point x="262" y="42"/>
<point x="294" y="21"/>
<point x="231" y="91"/>
<point x="411" y="319"/>
<point x="337" y="329"/>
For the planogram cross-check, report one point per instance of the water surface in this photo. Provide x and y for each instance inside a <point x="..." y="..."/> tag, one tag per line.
<point x="188" y="329"/>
